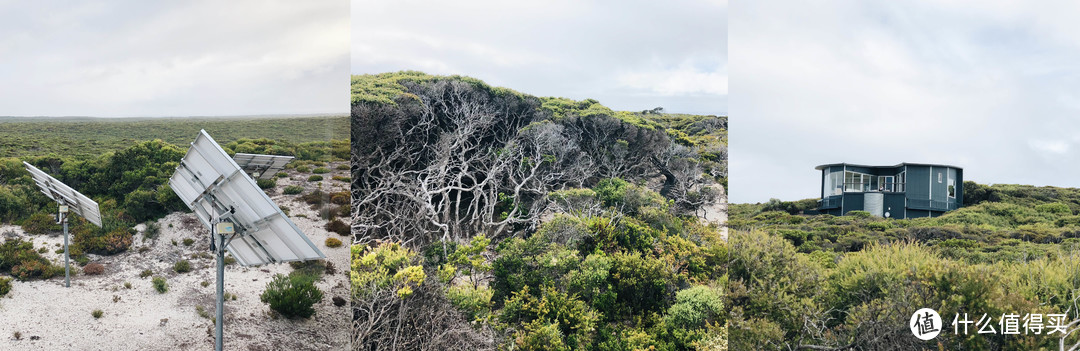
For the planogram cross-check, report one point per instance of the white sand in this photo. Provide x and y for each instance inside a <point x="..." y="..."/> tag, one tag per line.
<point x="51" y="317"/>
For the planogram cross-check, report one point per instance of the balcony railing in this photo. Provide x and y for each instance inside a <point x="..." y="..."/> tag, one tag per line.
<point x="889" y="187"/>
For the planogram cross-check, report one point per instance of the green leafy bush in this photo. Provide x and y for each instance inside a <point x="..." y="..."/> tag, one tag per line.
<point x="315" y="178"/>
<point x="292" y="296"/>
<point x="182" y="266"/>
<point x="303" y="169"/>
<point x="40" y="223"/>
<point x="320" y="170"/>
<point x="160" y="285"/>
<point x="333" y="242"/>
<point x="281" y="175"/>
<point x="5" y="286"/>
<point x="97" y="314"/>
<point x="265" y="183"/>
<point x="293" y="190"/>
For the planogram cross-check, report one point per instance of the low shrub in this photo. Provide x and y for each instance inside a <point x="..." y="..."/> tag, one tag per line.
<point x="343" y="167"/>
<point x="160" y="285"/>
<point x="97" y="314"/>
<point x="188" y="241"/>
<point x="333" y="242"/>
<point x="337" y="226"/>
<point x="94" y="269"/>
<point x="146" y="273"/>
<point x="320" y="170"/>
<point x="281" y="175"/>
<point x="5" y="286"/>
<point x="315" y="178"/>
<point x="182" y="266"/>
<point x="266" y="183"/>
<point x="340" y="198"/>
<point x="40" y="223"/>
<point x="303" y="169"/>
<point x="292" y="296"/>
<point x="344" y="179"/>
<point x="292" y="190"/>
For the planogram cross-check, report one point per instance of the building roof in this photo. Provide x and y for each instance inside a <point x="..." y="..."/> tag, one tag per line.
<point x="821" y="167"/>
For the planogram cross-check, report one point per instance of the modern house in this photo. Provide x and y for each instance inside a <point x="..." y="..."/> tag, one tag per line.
<point x="906" y="190"/>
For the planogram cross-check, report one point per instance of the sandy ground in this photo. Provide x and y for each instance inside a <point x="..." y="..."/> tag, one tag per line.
<point x="51" y="317"/>
<point x="717" y="211"/>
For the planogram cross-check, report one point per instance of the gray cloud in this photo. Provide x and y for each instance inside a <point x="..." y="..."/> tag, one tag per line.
<point x="628" y="55"/>
<point x="139" y="58"/>
<point x="990" y="86"/>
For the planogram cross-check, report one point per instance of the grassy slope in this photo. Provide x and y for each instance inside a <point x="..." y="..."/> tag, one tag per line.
<point x="90" y="137"/>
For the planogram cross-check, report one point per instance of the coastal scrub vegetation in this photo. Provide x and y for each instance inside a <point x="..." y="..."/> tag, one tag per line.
<point x="798" y="280"/>
<point x="485" y="218"/>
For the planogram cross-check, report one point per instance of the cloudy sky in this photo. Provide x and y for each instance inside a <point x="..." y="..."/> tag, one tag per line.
<point x="990" y="86"/>
<point x="153" y="58"/>
<point x="629" y="55"/>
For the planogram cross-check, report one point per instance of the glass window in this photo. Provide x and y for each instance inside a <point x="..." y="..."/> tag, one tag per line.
<point x="939" y="177"/>
<point x="856" y="182"/>
<point x="885" y="183"/>
<point x="952" y="183"/>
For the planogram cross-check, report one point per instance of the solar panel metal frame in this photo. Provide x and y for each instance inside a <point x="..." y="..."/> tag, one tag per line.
<point x="214" y="186"/>
<point x="63" y="194"/>
<point x="266" y="165"/>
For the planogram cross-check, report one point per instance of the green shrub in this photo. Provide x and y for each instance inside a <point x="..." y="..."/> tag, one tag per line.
<point x="859" y="214"/>
<point x="1054" y="208"/>
<point x="291" y="296"/>
<point x="474" y="302"/>
<point x="344" y="179"/>
<point x="343" y="167"/>
<point x="24" y="263"/>
<point x="332" y="242"/>
<point x="320" y="170"/>
<point x="292" y="190"/>
<point x="40" y="223"/>
<point x="97" y="314"/>
<point x="5" y="286"/>
<point x="160" y="285"/>
<point x="281" y="175"/>
<point x="145" y="273"/>
<point x="182" y="266"/>
<point x="265" y="183"/>
<point x="303" y="169"/>
<point x="314" y="178"/>
<point x="188" y="241"/>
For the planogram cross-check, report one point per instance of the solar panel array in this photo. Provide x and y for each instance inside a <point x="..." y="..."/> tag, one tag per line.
<point x="215" y="187"/>
<point x="265" y="165"/>
<point x="60" y="192"/>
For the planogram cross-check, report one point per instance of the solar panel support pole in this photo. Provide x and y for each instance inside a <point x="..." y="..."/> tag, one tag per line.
<point x="220" y="321"/>
<point x="218" y="231"/>
<point x="67" y="259"/>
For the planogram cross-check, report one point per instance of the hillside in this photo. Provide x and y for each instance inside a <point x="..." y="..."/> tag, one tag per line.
<point x="853" y="281"/>
<point x="486" y="218"/>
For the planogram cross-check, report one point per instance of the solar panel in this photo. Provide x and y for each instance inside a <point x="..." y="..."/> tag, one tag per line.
<point x="265" y="165"/>
<point x="215" y="188"/>
<point x="65" y="195"/>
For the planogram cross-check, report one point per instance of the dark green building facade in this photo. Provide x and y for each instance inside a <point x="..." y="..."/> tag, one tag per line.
<point x="906" y="190"/>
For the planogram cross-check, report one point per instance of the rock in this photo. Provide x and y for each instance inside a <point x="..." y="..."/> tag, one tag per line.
<point x="163" y="321"/>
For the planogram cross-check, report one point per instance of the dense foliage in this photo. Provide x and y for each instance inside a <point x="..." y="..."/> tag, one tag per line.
<point x="292" y="295"/>
<point x="491" y="219"/>
<point x="801" y="280"/>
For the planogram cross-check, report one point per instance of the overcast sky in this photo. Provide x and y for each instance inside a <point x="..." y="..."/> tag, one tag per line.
<point x="629" y="55"/>
<point x="173" y="58"/>
<point x="990" y="86"/>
